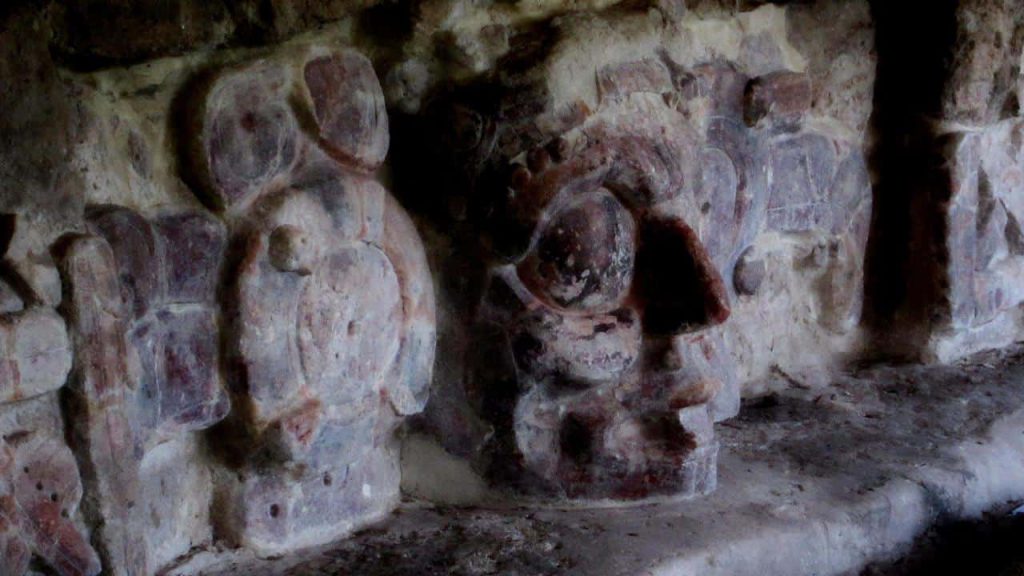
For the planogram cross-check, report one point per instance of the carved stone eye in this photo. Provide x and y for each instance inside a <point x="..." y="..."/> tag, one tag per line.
<point x="583" y="259"/>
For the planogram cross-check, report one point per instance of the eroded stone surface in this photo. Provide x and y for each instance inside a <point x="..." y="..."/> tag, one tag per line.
<point x="331" y="310"/>
<point x="246" y="134"/>
<point x="140" y="304"/>
<point x="40" y="487"/>
<point x="631" y="163"/>
<point x="980" y="120"/>
<point x="39" y="494"/>
<point x="622" y="186"/>
<point x="348" y="105"/>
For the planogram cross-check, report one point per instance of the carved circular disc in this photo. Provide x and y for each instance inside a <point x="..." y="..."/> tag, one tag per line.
<point x="350" y="317"/>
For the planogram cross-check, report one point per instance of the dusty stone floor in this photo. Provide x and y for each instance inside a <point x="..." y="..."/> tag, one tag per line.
<point x="838" y="475"/>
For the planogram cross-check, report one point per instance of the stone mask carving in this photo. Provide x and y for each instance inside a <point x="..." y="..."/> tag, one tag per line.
<point x="606" y="310"/>
<point x="330" y="302"/>
<point x="617" y="235"/>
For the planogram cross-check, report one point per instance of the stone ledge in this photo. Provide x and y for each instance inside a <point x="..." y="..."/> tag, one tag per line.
<point x="816" y="480"/>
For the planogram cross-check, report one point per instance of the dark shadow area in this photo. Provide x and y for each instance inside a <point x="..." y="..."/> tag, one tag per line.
<point x="676" y="281"/>
<point x="993" y="546"/>
<point x="906" y="255"/>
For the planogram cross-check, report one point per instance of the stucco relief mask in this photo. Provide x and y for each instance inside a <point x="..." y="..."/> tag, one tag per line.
<point x="615" y="235"/>
<point x="331" y="310"/>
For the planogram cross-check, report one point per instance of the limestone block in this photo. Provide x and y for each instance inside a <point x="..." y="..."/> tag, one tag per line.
<point x="40" y="491"/>
<point x="330" y="303"/>
<point x="784" y="95"/>
<point x="35" y="354"/>
<point x="837" y="40"/>
<point x="169" y="268"/>
<point x="617" y="81"/>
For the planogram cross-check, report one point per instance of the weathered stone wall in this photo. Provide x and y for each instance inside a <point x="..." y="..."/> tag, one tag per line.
<point x="248" y="246"/>
<point x="704" y="137"/>
<point x="980" y="130"/>
<point x="214" y="314"/>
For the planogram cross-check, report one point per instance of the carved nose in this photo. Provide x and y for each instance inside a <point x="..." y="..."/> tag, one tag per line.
<point x="676" y="283"/>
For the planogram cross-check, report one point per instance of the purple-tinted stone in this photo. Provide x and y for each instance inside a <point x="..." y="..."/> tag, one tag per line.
<point x="188" y="380"/>
<point x="408" y="383"/>
<point x="47" y="489"/>
<point x="131" y="238"/>
<point x="14" y="552"/>
<point x="41" y="351"/>
<point x="803" y="168"/>
<point x="348" y="335"/>
<point x="348" y="105"/>
<point x="745" y="150"/>
<point x="192" y="248"/>
<point x="991" y="229"/>
<point x="651" y="162"/>
<point x="761" y="51"/>
<point x="962" y="242"/>
<point x="722" y="85"/>
<point x="145" y="338"/>
<point x="249" y="135"/>
<point x="590" y="445"/>
<point x="990" y="299"/>
<point x="280" y="510"/>
<point x="103" y="434"/>
<point x="268" y="303"/>
<point x="716" y="200"/>
<point x="354" y="203"/>
<point x="851" y="191"/>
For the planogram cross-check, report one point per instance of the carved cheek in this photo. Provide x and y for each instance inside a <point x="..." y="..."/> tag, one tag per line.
<point x="583" y="260"/>
<point x="349" y="325"/>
